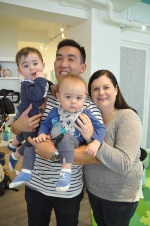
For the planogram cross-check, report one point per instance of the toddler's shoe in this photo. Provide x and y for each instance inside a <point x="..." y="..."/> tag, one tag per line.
<point x="11" y="149"/>
<point x="20" y="179"/>
<point x="63" y="182"/>
<point x="12" y="163"/>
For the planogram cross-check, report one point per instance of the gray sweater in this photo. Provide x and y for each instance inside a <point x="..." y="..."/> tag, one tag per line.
<point x="118" y="176"/>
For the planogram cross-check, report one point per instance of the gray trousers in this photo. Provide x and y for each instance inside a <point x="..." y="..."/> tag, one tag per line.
<point x="27" y="151"/>
<point x="66" y="148"/>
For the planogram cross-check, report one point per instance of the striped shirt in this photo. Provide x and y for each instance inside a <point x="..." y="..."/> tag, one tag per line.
<point x="46" y="172"/>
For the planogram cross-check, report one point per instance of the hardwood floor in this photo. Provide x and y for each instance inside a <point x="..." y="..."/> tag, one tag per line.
<point x="13" y="206"/>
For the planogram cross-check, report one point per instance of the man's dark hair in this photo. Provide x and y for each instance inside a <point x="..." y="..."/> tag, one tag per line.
<point x="70" y="42"/>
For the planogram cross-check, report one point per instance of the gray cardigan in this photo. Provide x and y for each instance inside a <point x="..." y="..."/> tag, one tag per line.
<point x="118" y="176"/>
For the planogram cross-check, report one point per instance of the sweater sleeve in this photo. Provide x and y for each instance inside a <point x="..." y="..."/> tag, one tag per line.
<point x="121" y="148"/>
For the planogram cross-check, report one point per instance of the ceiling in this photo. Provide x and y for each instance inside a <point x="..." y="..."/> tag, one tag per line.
<point x="33" y="19"/>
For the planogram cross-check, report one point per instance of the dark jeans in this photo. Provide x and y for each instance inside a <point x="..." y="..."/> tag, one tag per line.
<point x="109" y="213"/>
<point x="40" y="206"/>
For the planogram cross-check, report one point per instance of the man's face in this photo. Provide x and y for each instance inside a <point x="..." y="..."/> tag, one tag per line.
<point x="68" y="60"/>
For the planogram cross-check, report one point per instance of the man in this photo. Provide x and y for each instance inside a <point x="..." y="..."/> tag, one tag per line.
<point x="40" y="193"/>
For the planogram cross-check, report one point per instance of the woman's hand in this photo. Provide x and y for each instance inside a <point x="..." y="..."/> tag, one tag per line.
<point x="85" y="126"/>
<point x="25" y="123"/>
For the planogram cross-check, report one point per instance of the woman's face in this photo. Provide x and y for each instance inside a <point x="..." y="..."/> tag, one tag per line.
<point x="103" y="93"/>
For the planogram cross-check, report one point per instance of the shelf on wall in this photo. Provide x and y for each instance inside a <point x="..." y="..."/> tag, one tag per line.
<point x="9" y="78"/>
<point x="9" y="59"/>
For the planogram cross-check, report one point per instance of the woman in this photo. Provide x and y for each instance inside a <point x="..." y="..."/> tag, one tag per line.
<point x="113" y="184"/>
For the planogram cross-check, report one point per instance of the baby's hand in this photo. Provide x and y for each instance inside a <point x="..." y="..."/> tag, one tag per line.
<point x="42" y="137"/>
<point x="92" y="148"/>
<point x="40" y="74"/>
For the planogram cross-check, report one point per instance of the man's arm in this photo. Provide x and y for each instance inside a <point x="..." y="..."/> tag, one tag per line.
<point x="47" y="148"/>
<point x="83" y="159"/>
<point x="24" y="123"/>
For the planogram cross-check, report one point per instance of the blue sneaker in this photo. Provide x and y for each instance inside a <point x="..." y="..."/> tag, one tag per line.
<point x="12" y="163"/>
<point x="63" y="182"/>
<point x="10" y="148"/>
<point x="20" y="179"/>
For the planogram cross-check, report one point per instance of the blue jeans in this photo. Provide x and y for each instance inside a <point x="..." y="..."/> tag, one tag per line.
<point x="109" y="213"/>
<point x="40" y="207"/>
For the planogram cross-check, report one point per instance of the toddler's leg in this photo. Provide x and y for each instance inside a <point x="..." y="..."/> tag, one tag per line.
<point x="17" y="140"/>
<point x="13" y="145"/>
<point x="20" y="138"/>
<point x="66" y="151"/>
<point x="27" y="166"/>
<point x="14" y="157"/>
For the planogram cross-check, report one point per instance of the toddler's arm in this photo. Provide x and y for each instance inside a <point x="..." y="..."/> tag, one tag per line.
<point x="42" y="137"/>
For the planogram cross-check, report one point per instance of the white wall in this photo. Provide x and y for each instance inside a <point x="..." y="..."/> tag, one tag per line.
<point x="32" y="35"/>
<point x="135" y="76"/>
<point x="82" y="34"/>
<point x="8" y="39"/>
<point x="105" y="42"/>
<point x="101" y="41"/>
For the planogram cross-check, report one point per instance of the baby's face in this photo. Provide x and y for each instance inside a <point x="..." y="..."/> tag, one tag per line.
<point x="72" y="96"/>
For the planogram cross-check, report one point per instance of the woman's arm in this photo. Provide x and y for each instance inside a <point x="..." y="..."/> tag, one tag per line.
<point x="120" y="154"/>
<point x="24" y="123"/>
<point x="47" y="148"/>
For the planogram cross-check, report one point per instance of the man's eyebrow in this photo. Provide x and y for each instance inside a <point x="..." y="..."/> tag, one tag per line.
<point x="69" y="55"/>
<point x="58" y="54"/>
<point x="72" y="55"/>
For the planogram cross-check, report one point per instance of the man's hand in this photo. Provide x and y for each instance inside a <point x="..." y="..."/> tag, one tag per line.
<point x="24" y="123"/>
<point x="54" y="90"/>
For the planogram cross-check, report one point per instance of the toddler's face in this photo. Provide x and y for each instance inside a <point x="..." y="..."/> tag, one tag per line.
<point x="30" y="65"/>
